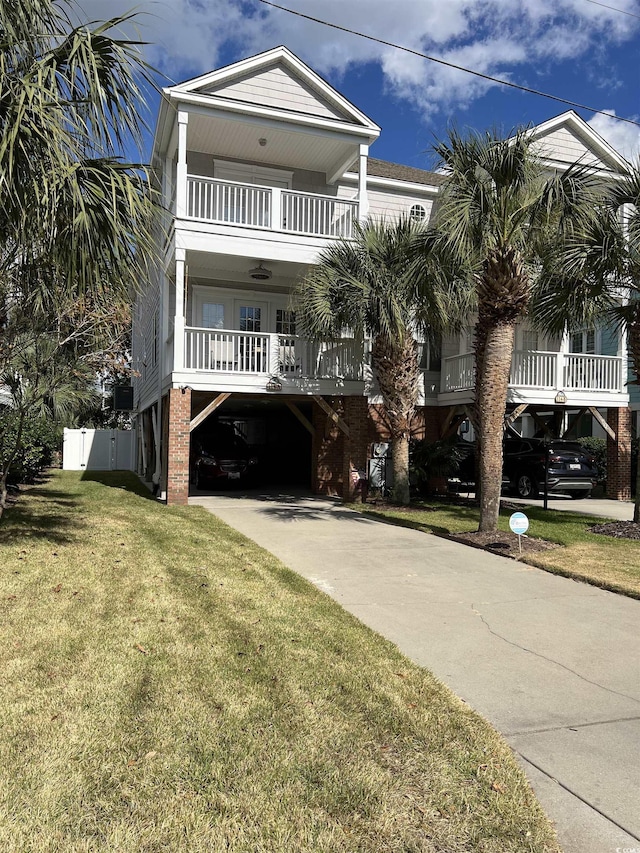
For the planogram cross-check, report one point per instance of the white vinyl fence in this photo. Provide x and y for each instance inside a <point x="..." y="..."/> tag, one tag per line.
<point x="98" y="450"/>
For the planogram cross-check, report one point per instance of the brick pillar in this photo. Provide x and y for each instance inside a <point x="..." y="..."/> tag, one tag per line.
<point x="619" y="455"/>
<point x="327" y="451"/>
<point x="355" y="446"/>
<point x="178" y="446"/>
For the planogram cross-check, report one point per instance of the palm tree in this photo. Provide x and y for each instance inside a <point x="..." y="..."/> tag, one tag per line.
<point x="376" y="286"/>
<point x="69" y="105"/>
<point x="625" y="196"/>
<point x="75" y="217"/>
<point x="500" y="211"/>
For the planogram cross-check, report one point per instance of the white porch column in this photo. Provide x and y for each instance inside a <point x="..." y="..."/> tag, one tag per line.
<point x="178" y="320"/>
<point x="181" y="167"/>
<point x="623" y="354"/>
<point x="363" y="198"/>
<point x="561" y="361"/>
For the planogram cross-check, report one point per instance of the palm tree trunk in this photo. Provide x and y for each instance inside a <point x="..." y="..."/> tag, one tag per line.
<point x="633" y="344"/>
<point x="400" y="461"/>
<point x="396" y="368"/>
<point x="491" y="394"/>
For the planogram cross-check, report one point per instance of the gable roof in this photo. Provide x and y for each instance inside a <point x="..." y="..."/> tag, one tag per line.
<point x="568" y="138"/>
<point x="273" y="80"/>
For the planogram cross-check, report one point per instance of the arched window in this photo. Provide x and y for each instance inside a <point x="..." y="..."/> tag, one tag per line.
<point x="418" y="213"/>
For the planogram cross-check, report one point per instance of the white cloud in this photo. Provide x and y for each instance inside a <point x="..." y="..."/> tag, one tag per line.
<point x="497" y="37"/>
<point x="621" y="135"/>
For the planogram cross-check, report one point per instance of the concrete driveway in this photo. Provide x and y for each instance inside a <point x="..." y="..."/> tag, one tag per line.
<point x="620" y="510"/>
<point x="552" y="663"/>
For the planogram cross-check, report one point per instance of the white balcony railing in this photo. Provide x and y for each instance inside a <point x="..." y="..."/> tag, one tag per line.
<point x="553" y="371"/>
<point x="244" y="353"/>
<point x="232" y="203"/>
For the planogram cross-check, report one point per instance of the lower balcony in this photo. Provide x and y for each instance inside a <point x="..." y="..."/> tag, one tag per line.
<point x="539" y="376"/>
<point x="253" y="361"/>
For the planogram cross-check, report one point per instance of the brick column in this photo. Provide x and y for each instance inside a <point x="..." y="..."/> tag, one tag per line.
<point x="355" y="446"/>
<point x="327" y="450"/>
<point x="178" y="447"/>
<point x="619" y="455"/>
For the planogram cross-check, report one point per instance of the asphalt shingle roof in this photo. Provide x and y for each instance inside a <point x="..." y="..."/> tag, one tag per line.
<point x="383" y="169"/>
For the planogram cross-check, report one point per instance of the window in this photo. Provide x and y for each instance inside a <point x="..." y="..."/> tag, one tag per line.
<point x="430" y="354"/>
<point x="213" y="315"/>
<point x="250" y="317"/>
<point x="418" y="213"/>
<point x="583" y="341"/>
<point x="285" y="322"/>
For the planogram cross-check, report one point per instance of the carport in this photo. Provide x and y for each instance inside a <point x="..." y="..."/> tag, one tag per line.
<point x="278" y="432"/>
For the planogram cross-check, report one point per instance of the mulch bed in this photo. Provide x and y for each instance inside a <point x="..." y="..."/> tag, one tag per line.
<point x="504" y="542"/>
<point x="618" y="529"/>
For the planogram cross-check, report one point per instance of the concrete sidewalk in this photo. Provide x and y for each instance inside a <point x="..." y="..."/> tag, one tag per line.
<point x="552" y="663"/>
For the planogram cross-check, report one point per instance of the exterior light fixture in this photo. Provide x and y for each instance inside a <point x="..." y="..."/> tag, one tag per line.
<point x="262" y="141"/>
<point x="561" y="397"/>
<point x="260" y="273"/>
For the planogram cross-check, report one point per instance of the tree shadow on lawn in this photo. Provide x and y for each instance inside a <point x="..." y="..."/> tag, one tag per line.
<point x="21" y="526"/>
<point x="125" y="480"/>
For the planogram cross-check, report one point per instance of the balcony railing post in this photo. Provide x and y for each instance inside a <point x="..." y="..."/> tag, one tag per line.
<point x="276" y="210"/>
<point x="560" y="379"/>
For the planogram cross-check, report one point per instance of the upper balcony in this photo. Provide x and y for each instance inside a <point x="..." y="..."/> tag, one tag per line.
<point x="266" y="208"/>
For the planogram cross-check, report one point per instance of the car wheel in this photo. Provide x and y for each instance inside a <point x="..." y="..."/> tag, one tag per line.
<point x="526" y="486"/>
<point x="578" y="496"/>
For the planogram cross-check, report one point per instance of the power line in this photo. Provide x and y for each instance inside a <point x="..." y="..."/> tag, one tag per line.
<point x="613" y="9"/>
<point x="498" y="80"/>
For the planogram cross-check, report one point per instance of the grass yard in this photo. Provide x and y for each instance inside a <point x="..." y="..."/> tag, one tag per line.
<point x="610" y="563"/>
<point x="166" y="685"/>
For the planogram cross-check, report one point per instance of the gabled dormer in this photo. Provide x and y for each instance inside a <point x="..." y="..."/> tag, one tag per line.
<point x="567" y="139"/>
<point x="271" y="109"/>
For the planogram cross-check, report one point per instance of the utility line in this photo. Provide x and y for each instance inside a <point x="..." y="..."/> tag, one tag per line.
<point x="613" y="9"/>
<point x="501" y="82"/>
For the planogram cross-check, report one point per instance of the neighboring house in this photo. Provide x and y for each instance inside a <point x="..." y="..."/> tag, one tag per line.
<point x="262" y="163"/>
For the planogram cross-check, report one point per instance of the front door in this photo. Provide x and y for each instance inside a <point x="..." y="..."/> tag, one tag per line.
<point x="252" y="319"/>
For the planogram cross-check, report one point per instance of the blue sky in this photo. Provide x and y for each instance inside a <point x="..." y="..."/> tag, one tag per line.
<point x="576" y="49"/>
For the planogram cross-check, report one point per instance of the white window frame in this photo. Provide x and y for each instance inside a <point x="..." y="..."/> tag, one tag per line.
<point x="201" y="294"/>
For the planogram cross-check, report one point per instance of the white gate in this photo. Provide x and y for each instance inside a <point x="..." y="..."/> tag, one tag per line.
<point x="98" y="450"/>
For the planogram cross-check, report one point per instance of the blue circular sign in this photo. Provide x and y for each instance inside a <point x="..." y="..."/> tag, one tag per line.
<point x="519" y="523"/>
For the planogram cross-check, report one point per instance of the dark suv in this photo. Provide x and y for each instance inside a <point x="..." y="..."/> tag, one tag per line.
<point x="571" y="469"/>
<point x="220" y="456"/>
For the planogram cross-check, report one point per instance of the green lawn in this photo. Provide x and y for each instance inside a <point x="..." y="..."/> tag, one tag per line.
<point x="610" y="563"/>
<point x="166" y="685"/>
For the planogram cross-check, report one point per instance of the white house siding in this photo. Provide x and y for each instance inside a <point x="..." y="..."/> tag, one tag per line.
<point x="147" y="347"/>
<point x="277" y="87"/>
<point x="392" y="204"/>
<point x="303" y="180"/>
<point x="565" y="147"/>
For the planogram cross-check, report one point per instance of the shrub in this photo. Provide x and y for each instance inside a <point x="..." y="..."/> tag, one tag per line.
<point x="597" y="447"/>
<point x="432" y="460"/>
<point x="41" y="438"/>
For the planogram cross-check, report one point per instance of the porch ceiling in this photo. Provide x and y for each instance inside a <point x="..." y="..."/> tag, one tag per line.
<point x="293" y="149"/>
<point x="234" y="268"/>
